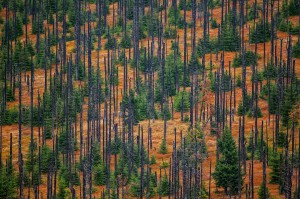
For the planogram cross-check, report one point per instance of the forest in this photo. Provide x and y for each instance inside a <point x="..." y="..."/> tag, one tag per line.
<point x="181" y="99"/>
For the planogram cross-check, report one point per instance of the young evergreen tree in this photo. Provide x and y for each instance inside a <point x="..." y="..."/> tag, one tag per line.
<point x="227" y="173"/>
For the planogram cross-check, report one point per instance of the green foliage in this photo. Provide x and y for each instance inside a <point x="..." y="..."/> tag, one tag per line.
<point x="262" y="190"/>
<point x="224" y="81"/>
<point x="272" y="97"/>
<point x="37" y="26"/>
<point x="288" y="27"/>
<point x="290" y="100"/>
<point x="125" y="42"/>
<point x="244" y="107"/>
<point x="166" y="113"/>
<point x="64" y="146"/>
<point x="110" y="43"/>
<point x="13" y="29"/>
<point x="252" y="14"/>
<point x="163" y="147"/>
<point x="21" y="56"/>
<point x="145" y="62"/>
<point x="230" y="38"/>
<point x="62" y="193"/>
<point x="274" y="163"/>
<point x="8" y="184"/>
<point x="213" y="3"/>
<point x="152" y="160"/>
<point x="239" y="81"/>
<point x="281" y="139"/>
<point x="227" y="173"/>
<point x="164" y="165"/>
<point x="10" y="116"/>
<point x="170" y="33"/>
<point x="115" y="146"/>
<point x="261" y="33"/>
<point x="249" y="59"/>
<point x="135" y="187"/>
<point x="296" y="50"/>
<point x="214" y="24"/>
<point x="290" y="8"/>
<point x="173" y="70"/>
<point x="175" y="18"/>
<point x="258" y="76"/>
<point x="47" y="159"/>
<point x="163" y="186"/>
<point x="194" y="65"/>
<point x="151" y="24"/>
<point x="41" y="60"/>
<point x="187" y="5"/>
<point x="100" y="175"/>
<point x="194" y="139"/>
<point x="258" y="149"/>
<point x="182" y="101"/>
<point x="270" y="71"/>
<point x="210" y="45"/>
<point x="255" y="113"/>
<point x="69" y="176"/>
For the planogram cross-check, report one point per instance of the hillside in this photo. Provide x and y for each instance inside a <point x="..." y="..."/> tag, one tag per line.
<point x="149" y="99"/>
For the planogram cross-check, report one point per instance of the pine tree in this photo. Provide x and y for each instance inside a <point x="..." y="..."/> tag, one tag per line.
<point x="99" y="174"/>
<point x="182" y="96"/>
<point x="163" y="147"/>
<point x="226" y="172"/>
<point x="296" y="50"/>
<point x="261" y="192"/>
<point x="8" y="183"/>
<point x="275" y="166"/>
<point x="163" y="187"/>
<point x="261" y="33"/>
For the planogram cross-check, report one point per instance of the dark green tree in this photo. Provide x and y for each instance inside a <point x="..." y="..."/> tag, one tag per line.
<point x="227" y="173"/>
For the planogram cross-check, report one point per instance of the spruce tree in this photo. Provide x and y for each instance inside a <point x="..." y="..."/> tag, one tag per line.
<point x="227" y="173"/>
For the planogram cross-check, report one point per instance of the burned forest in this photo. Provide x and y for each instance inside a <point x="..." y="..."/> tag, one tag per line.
<point x="181" y="99"/>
